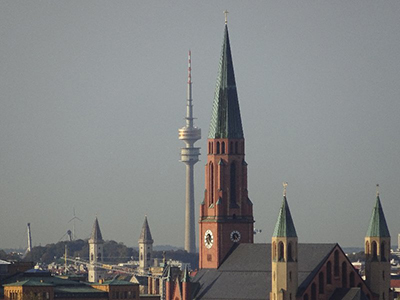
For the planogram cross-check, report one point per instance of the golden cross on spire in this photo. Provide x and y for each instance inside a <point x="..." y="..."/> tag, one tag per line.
<point x="226" y="16"/>
<point x="285" y="184"/>
<point x="377" y="189"/>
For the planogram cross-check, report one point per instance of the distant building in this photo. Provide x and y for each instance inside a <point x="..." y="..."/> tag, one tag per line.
<point x="41" y="285"/>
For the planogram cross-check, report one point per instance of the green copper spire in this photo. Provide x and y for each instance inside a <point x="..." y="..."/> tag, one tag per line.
<point x="284" y="226"/>
<point x="225" y="120"/>
<point x="377" y="224"/>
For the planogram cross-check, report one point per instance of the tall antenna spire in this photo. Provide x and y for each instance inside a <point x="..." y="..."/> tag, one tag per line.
<point x="189" y="155"/>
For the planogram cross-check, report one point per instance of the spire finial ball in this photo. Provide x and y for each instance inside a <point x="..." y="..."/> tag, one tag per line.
<point x="377" y="189"/>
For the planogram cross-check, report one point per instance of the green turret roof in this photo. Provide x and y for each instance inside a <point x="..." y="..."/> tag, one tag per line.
<point x="284" y="226"/>
<point x="225" y="120"/>
<point x="377" y="225"/>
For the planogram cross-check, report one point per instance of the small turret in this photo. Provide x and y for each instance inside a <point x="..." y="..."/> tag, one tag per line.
<point x="377" y="251"/>
<point x="284" y="255"/>
<point x="95" y="253"/>
<point x="145" y="247"/>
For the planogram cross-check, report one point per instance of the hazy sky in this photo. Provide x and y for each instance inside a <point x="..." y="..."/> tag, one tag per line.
<point x="92" y="94"/>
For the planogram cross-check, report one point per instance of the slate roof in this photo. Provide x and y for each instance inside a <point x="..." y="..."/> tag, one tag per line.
<point x="96" y="233"/>
<point x="246" y="272"/>
<point x="145" y="235"/>
<point x="225" y="120"/>
<point x="377" y="225"/>
<point x="284" y="225"/>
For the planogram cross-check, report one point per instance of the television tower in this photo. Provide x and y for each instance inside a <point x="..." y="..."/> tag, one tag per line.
<point x="189" y="155"/>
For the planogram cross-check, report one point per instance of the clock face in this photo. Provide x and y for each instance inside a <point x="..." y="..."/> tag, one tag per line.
<point x="208" y="239"/>
<point x="235" y="236"/>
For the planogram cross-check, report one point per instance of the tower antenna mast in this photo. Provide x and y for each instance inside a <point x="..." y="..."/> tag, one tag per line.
<point x="189" y="134"/>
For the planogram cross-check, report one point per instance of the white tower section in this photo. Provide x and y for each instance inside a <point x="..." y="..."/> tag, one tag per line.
<point x="95" y="253"/>
<point x="189" y="155"/>
<point x="145" y="248"/>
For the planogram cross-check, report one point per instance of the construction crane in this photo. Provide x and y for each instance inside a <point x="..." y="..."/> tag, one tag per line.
<point x="73" y="224"/>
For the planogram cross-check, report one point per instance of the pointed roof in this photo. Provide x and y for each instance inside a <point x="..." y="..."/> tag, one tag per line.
<point x="225" y="120"/>
<point x="96" y="233"/>
<point x="284" y="226"/>
<point x="377" y="224"/>
<point x="145" y="235"/>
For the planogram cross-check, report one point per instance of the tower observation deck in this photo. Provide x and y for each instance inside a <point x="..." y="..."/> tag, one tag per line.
<point x="189" y="155"/>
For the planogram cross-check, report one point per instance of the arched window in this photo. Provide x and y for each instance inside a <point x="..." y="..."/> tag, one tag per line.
<point x="313" y="292"/>
<point x="305" y="297"/>
<point x="321" y="283"/>
<point x="289" y="252"/>
<point x="223" y="148"/>
<point x="148" y="256"/>
<point x="344" y="274"/>
<point x="352" y="280"/>
<point x="336" y="263"/>
<point x="329" y="273"/>
<point x="91" y="257"/>
<point x="374" y="250"/>
<point x="233" y="184"/>
<point x="218" y="148"/>
<point x="211" y="183"/>
<point x="281" y="251"/>
<point x="383" y="248"/>
<point x="367" y="248"/>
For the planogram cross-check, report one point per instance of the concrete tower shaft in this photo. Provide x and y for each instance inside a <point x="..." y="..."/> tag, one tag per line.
<point x="189" y="134"/>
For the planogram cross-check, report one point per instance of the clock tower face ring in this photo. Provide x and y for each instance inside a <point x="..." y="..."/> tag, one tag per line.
<point x="235" y="236"/>
<point x="208" y="239"/>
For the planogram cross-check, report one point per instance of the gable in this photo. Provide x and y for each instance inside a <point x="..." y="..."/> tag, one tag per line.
<point x="343" y="276"/>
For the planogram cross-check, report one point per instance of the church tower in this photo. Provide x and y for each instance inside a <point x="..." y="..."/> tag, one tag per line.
<point x="226" y="214"/>
<point x="377" y="250"/>
<point x="145" y="248"/>
<point x="95" y="253"/>
<point x="284" y="255"/>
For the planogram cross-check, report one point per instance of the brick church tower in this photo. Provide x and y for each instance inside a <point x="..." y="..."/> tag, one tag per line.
<point x="226" y="214"/>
